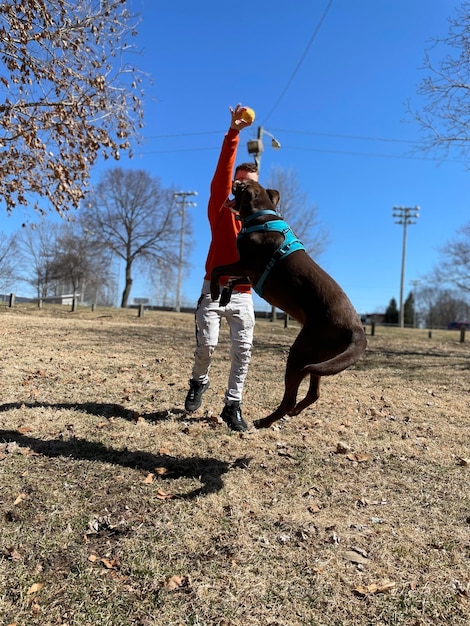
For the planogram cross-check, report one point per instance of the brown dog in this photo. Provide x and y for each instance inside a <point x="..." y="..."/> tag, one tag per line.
<point x="274" y="262"/>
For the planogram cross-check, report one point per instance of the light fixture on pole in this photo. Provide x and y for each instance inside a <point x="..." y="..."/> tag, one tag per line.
<point x="181" y="200"/>
<point x="255" y="146"/>
<point x="404" y="216"/>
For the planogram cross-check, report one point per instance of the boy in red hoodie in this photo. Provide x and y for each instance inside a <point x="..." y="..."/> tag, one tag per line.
<point x="239" y="311"/>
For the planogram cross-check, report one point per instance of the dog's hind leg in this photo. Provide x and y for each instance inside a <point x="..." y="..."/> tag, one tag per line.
<point x="312" y="396"/>
<point x="293" y="377"/>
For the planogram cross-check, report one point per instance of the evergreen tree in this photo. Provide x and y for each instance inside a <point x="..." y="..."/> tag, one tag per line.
<point x="391" y="314"/>
<point x="409" y="310"/>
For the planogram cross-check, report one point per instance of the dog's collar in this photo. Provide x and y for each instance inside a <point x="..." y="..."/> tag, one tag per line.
<point x="253" y="216"/>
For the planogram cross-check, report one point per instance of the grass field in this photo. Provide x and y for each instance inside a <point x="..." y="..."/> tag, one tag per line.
<point x="118" y="509"/>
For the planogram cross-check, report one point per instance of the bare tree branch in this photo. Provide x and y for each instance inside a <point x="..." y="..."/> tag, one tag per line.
<point x="444" y="117"/>
<point x="69" y="95"/>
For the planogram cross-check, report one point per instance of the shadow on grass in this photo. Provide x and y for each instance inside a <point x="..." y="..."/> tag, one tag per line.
<point x="208" y="471"/>
<point x="100" y="409"/>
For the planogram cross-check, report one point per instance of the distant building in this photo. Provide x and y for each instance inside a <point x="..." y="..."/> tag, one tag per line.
<point x="458" y="325"/>
<point x="376" y="318"/>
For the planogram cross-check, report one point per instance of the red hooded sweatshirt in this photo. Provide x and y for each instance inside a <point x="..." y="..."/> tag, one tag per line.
<point x="224" y="226"/>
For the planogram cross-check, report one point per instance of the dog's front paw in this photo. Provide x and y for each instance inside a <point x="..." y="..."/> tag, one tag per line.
<point x="215" y="291"/>
<point x="225" y="297"/>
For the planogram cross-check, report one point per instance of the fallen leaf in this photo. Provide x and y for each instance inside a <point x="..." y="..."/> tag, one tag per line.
<point x="35" y="588"/>
<point x="28" y="452"/>
<point x="164" y="451"/>
<point x="381" y="587"/>
<point x="148" y="480"/>
<point x="36" y="608"/>
<point x="355" y="557"/>
<point x="385" y="587"/>
<point x="160" y="471"/>
<point x="13" y="554"/>
<point x="110" y="563"/>
<point x="358" y="457"/>
<point x="25" y="429"/>
<point x="19" y="499"/>
<point x="173" y="583"/>
<point x="342" y="448"/>
<point x="463" y="462"/>
<point x="92" y="558"/>
<point x="314" y="508"/>
<point x="161" y="495"/>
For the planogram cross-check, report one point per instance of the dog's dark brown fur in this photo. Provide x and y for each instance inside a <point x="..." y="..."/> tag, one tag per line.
<point x="332" y="337"/>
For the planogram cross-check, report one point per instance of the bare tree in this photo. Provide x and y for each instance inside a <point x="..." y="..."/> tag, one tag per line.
<point x="445" y="115"/>
<point x="36" y="253"/>
<point x="58" y="259"/>
<point x="440" y="306"/>
<point x="69" y="96"/>
<point x="296" y="210"/>
<point x="8" y="260"/>
<point x="76" y="266"/>
<point x="131" y="214"/>
<point x="454" y="268"/>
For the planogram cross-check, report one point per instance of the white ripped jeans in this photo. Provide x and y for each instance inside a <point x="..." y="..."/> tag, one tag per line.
<point x="240" y="316"/>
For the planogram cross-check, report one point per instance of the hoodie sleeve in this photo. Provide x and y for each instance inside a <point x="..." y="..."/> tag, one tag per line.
<point x="221" y="184"/>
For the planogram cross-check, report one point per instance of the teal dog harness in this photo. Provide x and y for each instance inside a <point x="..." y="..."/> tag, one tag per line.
<point x="291" y="242"/>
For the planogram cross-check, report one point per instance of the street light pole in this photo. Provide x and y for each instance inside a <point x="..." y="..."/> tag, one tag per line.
<point x="255" y="147"/>
<point x="181" y="199"/>
<point x="404" y="216"/>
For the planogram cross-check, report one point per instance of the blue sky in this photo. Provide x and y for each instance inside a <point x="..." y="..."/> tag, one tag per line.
<point x="333" y="92"/>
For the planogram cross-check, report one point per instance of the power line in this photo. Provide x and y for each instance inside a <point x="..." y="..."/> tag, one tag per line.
<point x="303" y="149"/>
<point x="293" y="132"/>
<point x="312" y="38"/>
<point x="208" y="132"/>
<point x="338" y="136"/>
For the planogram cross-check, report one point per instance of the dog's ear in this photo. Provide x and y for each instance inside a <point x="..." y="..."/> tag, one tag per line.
<point x="274" y="196"/>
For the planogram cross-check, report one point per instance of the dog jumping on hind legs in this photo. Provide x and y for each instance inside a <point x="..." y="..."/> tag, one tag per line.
<point x="275" y="262"/>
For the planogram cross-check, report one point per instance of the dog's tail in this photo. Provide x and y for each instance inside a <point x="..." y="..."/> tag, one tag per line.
<point x="341" y="361"/>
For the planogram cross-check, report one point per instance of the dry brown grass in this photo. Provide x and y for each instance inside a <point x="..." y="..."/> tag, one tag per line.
<point x="119" y="509"/>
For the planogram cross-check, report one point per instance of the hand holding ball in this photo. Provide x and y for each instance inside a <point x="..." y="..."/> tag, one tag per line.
<point x="248" y="115"/>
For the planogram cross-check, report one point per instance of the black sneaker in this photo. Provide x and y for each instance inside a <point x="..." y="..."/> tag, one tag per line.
<point x="194" y="397"/>
<point x="232" y="416"/>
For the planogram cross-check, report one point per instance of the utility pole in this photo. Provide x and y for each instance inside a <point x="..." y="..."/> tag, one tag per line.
<point x="181" y="200"/>
<point x="404" y="216"/>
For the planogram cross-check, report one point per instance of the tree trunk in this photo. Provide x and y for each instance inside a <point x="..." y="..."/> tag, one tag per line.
<point x="127" y="287"/>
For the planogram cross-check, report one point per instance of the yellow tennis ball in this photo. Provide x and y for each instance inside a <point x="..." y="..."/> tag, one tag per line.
<point x="248" y="115"/>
